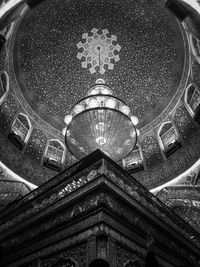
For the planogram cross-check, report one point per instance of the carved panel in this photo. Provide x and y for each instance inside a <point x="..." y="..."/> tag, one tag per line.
<point x="151" y="151"/>
<point x="73" y="255"/>
<point x="184" y="122"/>
<point x="69" y="159"/>
<point x="112" y="252"/>
<point x="7" y="113"/>
<point x="91" y="249"/>
<point x="168" y="135"/>
<point x="134" y="190"/>
<point x="190" y="214"/>
<point x="36" y="145"/>
<point x="188" y="179"/>
<point x="177" y="164"/>
<point x="134" y="161"/>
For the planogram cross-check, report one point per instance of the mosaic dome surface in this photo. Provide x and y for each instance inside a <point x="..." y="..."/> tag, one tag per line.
<point x="145" y="65"/>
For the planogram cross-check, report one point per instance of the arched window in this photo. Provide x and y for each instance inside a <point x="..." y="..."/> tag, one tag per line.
<point x="195" y="46"/>
<point x="4" y="86"/>
<point x="99" y="263"/>
<point x="192" y="98"/>
<point x="62" y="262"/>
<point x="133" y="162"/>
<point x="169" y="139"/>
<point x="20" y="131"/>
<point x="54" y="155"/>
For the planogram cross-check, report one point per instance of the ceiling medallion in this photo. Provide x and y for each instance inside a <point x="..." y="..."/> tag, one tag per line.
<point x="98" y="50"/>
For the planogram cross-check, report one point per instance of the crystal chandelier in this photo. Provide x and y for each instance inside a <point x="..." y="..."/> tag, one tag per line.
<point x="100" y="121"/>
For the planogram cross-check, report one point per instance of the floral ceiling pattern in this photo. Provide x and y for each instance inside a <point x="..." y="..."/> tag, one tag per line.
<point x="148" y="42"/>
<point x="45" y="60"/>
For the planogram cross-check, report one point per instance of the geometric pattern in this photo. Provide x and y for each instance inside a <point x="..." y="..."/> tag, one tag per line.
<point x="98" y="50"/>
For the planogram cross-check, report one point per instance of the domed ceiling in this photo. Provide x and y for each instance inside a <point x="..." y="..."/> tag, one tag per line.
<point x="56" y="51"/>
<point x="56" y="60"/>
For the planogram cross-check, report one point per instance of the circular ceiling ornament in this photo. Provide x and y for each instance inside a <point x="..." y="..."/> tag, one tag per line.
<point x="98" y="50"/>
<point x="47" y="79"/>
<point x="150" y="76"/>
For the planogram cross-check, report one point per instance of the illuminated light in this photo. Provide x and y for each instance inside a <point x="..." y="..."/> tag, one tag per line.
<point x="93" y="103"/>
<point x="125" y="109"/>
<point x="94" y="92"/>
<point x="195" y="168"/>
<point x="106" y="91"/>
<point x="134" y="120"/>
<point x="68" y="119"/>
<point x="133" y="134"/>
<point x="78" y="108"/>
<point x="110" y="103"/>
<point x="138" y="132"/>
<point x="64" y="131"/>
<point x="101" y="140"/>
<point x="119" y="150"/>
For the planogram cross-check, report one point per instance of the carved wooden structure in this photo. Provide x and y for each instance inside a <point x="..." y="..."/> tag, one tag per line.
<point x="93" y="210"/>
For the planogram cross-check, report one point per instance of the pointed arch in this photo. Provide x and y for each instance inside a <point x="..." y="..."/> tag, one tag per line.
<point x="99" y="263"/>
<point x="192" y="98"/>
<point x="169" y="138"/>
<point x="20" y="130"/>
<point x="54" y="155"/>
<point x="134" y="161"/>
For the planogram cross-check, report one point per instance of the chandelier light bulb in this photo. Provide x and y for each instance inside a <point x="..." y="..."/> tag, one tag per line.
<point x="101" y="121"/>
<point x="93" y="103"/>
<point x="100" y="126"/>
<point x="94" y="92"/>
<point x="78" y="108"/>
<point x="138" y="132"/>
<point x="110" y="103"/>
<point x="101" y="140"/>
<point x="125" y="109"/>
<point x="68" y="119"/>
<point x="64" y="131"/>
<point x="68" y="133"/>
<point x="105" y="91"/>
<point x="134" y="120"/>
